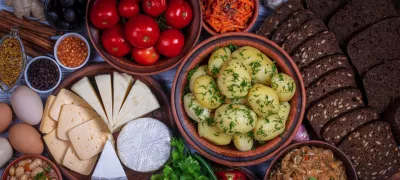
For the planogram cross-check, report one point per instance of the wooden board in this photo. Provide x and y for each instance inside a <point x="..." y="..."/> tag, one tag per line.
<point x="163" y="113"/>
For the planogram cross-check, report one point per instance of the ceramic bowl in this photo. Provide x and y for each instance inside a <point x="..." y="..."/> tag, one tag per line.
<point x="54" y="167"/>
<point x="62" y="38"/>
<point x="350" y="171"/>
<point x="250" y="24"/>
<point x="29" y="83"/>
<point x="229" y="155"/>
<point x="125" y="64"/>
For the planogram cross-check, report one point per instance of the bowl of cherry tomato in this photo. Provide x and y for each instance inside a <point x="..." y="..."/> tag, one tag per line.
<point x="143" y="37"/>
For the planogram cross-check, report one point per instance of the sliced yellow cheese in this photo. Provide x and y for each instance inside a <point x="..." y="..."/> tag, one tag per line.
<point x="139" y="102"/>
<point x="105" y="88"/>
<point x="72" y="161"/>
<point x="57" y="147"/>
<point x="65" y="97"/>
<point x="88" y="139"/>
<point x="72" y="116"/>
<point x="85" y="90"/>
<point x="48" y="124"/>
<point x="122" y="84"/>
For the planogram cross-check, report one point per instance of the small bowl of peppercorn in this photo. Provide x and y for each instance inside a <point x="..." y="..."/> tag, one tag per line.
<point x="42" y="74"/>
<point x="72" y="51"/>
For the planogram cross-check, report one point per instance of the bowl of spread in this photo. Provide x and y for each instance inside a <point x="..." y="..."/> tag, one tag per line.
<point x="72" y="51"/>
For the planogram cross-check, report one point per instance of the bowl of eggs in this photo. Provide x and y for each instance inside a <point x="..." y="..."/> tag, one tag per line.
<point x="238" y="99"/>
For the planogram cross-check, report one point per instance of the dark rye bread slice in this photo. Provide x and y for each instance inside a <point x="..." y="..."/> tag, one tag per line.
<point x="319" y="68"/>
<point x="382" y="85"/>
<point x="357" y="15"/>
<point x="340" y="127"/>
<point x="324" y="9"/>
<point x="373" y="151"/>
<point x="302" y="34"/>
<point x="392" y="115"/>
<point x="279" y="16"/>
<point x="376" y="44"/>
<point x="334" y="81"/>
<point x="332" y="106"/>
<point x="296" y="20"/>
<point x="322" y="44"/>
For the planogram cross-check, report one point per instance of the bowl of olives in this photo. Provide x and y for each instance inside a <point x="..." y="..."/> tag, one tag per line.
<point x="65" y="15"/>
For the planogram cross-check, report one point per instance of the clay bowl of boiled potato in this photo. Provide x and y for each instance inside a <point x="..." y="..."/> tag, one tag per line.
<point x="238" y="99"/>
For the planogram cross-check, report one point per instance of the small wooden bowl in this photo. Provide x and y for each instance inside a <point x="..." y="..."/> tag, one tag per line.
<point x="191" y="33"/>
<point x="250" y="24"/>
<point x="350" y="171"/>
<point x="53" y="166"/>
<point x="229" y="155"/>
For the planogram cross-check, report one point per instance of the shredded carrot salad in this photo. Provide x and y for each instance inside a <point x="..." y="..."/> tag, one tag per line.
<point x="227" y="15"/>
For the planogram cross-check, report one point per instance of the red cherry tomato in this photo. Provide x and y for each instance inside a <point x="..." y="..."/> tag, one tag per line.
<point x="170" y="43"/>
<point x="178" y="14"/>
<point x="104" y="14"/>
<point x="114" y="41"/>
<point x="142" y="31"/>
<point x="128" y="8"/>
<point x="145" y="56"/>
<point x="154" y="7"/>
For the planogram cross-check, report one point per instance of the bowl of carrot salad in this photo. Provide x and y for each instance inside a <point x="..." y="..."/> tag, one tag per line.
<point x="223" y="16"/>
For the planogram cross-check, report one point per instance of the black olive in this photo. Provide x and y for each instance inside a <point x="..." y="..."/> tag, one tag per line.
<point x="70" y="15"/>
<point x="82" y="2"/>
<point x="67" y="3"/>
<point x="52" y="15"/>
<point x="64" y="25"/>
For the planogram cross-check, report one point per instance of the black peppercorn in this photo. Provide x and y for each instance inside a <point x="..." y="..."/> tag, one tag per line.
<point x="43" y="74"/>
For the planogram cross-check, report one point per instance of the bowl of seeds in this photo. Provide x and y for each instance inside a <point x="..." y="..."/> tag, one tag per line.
<point x="43" y="74"/>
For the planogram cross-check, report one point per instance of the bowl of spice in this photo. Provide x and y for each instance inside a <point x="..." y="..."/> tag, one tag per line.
<point x="72" y="51"/>
<point x="43" y="74"/>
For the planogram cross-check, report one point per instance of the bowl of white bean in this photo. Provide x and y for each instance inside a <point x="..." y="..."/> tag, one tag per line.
<point x="31" y="167"/>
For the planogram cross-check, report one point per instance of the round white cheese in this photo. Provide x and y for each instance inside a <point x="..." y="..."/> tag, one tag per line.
<point x="144" y="144"/>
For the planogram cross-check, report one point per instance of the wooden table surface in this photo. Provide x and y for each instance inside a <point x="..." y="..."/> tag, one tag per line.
<point x="165" y="78"/>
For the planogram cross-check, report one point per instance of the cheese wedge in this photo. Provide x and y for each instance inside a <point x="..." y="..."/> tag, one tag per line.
<point x="72" y="161"/>
<point x="85" y="90"/>
<point x="57" y="147"/>
<point x="109" y="166"/>
<point x="72" y="116"/>
<point x="48" y="124"/>
<point x="122" y="84"/>
<point x="139" y="102"/>
<point x="105" y="88"/>
<point x="88" y="139"/>
<point x="65" y="97"/>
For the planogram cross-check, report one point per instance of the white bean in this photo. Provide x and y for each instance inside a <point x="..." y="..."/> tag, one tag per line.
<point x="36" y="163"/>
<point x="13" y="178"/>
<point x="36" y="171"/>
<point x="23" y="177"/>
<point x="12" y="171"/>
<point x="19" y="171"/>
<point x="23" y="162"/>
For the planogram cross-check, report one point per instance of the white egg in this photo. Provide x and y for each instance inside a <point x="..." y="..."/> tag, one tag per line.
<point x="27" y="105"/>
<point x="6" y="151"/>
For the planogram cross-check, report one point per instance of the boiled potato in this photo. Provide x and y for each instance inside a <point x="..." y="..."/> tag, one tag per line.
<point x="207" y="92"/>
<point x="268" y="128"/>
<point x="284" y="85"/>
<point x="263" y="100"/>
<point x="234" y="80"/>
<point x="193" y="108"/>
<point x="199" y="71"/>
<point x="213" y="134"/>
<point x="261" y="71"/>
<point x="235" y="118"/>
<point x="248" y="54"/>
<point x="243" y="142"/>
<point x="240" y="100"/>
<point x="218" y="58"/>
<point x="284" y="111"/>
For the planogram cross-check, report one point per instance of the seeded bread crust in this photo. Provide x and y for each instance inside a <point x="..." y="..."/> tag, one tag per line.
<point x="324" y="9"/>
<point x="376" y="44"/>
<point x="302" y="34"/>
<point x="332" y="106"/>
<point x="357" y="15"/>
<point x="392" y="115"/>
<point x="296" y="20"/>
<point x="280" y="15"/>
<point x="334" y="81"/>
<point x="340" y="127"/>
<point x="373" y="151"/>
<point x="382" y="85"/>
<point x="319" y="68"/>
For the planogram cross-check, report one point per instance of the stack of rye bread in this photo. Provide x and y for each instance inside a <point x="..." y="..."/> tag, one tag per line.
<point x="348" y="53"/>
